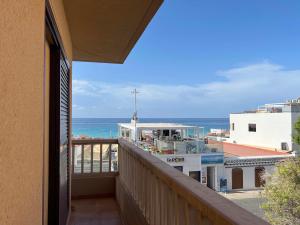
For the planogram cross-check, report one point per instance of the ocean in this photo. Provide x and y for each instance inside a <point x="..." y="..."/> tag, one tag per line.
<point x="108" y="127"/>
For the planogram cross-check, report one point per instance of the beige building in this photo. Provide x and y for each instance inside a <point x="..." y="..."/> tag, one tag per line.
<point x="39" y="39"/>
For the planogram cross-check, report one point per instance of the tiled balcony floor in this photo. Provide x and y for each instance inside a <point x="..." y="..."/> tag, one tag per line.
<point x="97" y="211"/>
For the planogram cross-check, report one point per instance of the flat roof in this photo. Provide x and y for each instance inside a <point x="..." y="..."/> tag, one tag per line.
<point x="155" y="126"/>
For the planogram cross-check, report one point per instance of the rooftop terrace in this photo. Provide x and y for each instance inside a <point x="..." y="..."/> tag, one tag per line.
<point x="288" y="106"/>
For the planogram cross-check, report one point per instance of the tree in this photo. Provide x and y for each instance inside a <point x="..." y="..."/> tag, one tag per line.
<point x="282" y="194"/>
<point x="296" y="137"/>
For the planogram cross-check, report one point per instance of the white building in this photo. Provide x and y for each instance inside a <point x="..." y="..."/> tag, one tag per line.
<point x="203" y="167"/>
<point x="270" y="126"/>
<point x="245" y="166"/>
<point x="180" y="146"/>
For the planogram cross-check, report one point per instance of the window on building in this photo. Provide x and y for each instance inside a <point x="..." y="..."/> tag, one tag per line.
<point x="180" y="168"/>
<point x="232" y="126"/>
<point x="252" y="127"/>
<point x="284" y="146"/>
<point x="195" y="174"/>
<point x="166" y="133"/>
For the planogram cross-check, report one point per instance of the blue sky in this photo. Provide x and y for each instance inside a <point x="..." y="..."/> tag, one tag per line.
<point x="199" y="59"/>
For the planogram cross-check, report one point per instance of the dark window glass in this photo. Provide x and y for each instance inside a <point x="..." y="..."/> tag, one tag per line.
<point x="284" y="146"/>
<point x="166" y="133"/>
<point x="252" y="127"/>
<point x="173" y="132"/>
<point x="195" y="174"/>
<point x="180" y="168"/>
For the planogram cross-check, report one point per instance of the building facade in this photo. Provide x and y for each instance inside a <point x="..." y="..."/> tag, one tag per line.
<point x="246" y="167"/>
<point x="181" y="146"/>
<point x="39" y="40"/>
<point x="248" y="173"/>
<point x="271" y="126"/>
<point x="202" y="167"/>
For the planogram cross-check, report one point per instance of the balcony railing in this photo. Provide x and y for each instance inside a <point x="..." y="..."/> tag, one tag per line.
<point x="150" y="191"/>
<point x="94" y="156"/>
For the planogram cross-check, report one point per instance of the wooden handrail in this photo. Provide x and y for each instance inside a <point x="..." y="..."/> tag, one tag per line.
<point x="166" y="196"/>
<point x="94" y="141"/>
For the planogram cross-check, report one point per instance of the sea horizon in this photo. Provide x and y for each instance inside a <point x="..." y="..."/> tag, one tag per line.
<point x="151" y="117"/>
<point x="108" y="127"/>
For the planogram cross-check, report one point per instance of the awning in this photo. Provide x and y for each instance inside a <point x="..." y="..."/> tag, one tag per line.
<point x="107" y="30"/>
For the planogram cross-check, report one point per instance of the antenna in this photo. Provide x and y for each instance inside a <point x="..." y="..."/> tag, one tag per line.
<point x="134" y="118"/>
<point x="135" y="92"/>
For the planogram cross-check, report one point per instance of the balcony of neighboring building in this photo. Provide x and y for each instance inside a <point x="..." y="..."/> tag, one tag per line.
<point x="116" y="182"/>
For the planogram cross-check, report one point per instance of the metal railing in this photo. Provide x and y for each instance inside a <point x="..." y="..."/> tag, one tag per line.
<point x="94" y="156"/>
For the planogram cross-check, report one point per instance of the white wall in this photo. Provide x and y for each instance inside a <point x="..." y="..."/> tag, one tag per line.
<point x="271" y="129"/>
<point x="248" y="176"/>
<point x="228" y="176"/>
<point x="191" y="162"/>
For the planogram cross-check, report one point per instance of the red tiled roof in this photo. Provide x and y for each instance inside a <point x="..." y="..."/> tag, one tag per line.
<point x="237" y="150"/>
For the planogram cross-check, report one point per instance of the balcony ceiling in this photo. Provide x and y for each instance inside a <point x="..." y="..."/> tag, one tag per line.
<point x="107" y="30"/>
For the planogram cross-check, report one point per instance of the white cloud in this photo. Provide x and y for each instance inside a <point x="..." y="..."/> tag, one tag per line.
<point x="240" y="88"/>
<point x="77" y="107"/>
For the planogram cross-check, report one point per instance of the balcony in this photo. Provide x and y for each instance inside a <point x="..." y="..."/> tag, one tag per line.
<point x="115" y="182"/>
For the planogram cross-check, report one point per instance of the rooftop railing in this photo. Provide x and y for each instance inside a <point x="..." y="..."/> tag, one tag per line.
<point x="150" y="191"/>
<point x="292" y="107"/>
<point x="181" y="147"/>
